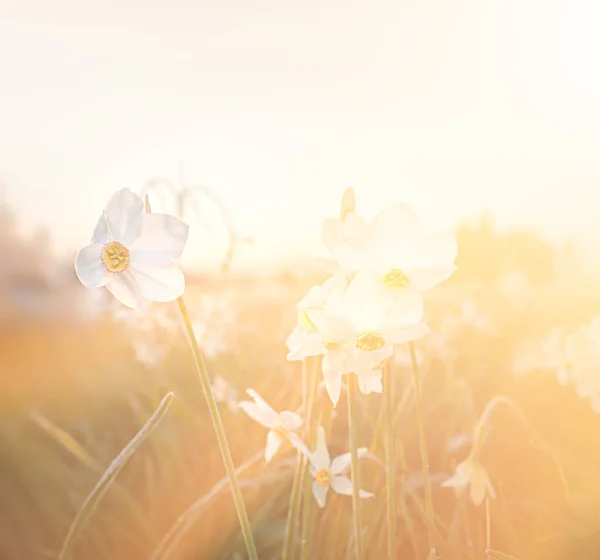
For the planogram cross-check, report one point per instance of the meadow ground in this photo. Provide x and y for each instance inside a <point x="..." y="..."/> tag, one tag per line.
<point x="77" y="387"/>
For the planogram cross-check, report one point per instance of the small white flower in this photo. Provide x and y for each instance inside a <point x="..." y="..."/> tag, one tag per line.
<point x="305" y="340"/>
<point x="472" y="473"/>
<point x="395" y="246"/>
<point x="133" y="254"/>
<point x="281" y="424"/>
<point x="328" y="473"/>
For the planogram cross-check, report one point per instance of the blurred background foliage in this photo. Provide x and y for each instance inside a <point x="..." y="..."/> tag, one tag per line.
<point x="80" y="375"/>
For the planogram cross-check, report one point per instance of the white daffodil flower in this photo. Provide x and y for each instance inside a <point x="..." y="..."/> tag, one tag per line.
<point x="359" y="332"/>
<point x="472" y="473"/>
<point x="305" y="340"/>
<point x="133" y="254"/>
<point x="281" y="424"/>
<point x="328" y="473"/>
<point x="395" y="246"/>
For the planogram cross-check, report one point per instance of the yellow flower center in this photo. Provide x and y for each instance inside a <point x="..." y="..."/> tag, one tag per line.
<point x="323" y="477"/>
<point x="369" y="341"/>
<point x="396" y="279"/>
<point x="332" y="346"/>
<point x="115" y="257"/>
<point x="305" y="321"/>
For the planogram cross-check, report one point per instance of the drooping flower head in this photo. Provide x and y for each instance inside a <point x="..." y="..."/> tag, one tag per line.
<point x="395" y="246"/>
<point x="282" y="425"/>
<point x="473" y="474"/>
<point x="133" y="253"/>
<point x="330" y="474"/>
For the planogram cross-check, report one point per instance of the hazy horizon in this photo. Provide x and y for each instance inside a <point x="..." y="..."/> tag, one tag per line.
<point x="456" y="108"/>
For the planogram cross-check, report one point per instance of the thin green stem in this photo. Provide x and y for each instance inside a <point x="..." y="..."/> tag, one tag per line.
<point x="296" y="496"/>
<point x="423" y="445"/>
<point x="390" y="471"/>
<point x="99" y="491"/>
<point x="220" y="433"/>
<point x="307" y="505"/>
<point x="353" y="428"/>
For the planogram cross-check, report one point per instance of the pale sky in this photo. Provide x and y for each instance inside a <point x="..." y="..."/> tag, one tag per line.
<point x="453" y="106"/>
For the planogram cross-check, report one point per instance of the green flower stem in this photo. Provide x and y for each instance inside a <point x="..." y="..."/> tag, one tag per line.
<point x="98" y="492"/>
<point x="389" y="463"/>
<point x="220" y="433"/>
<point x="308" y="502"/>
<point x="353" y="428"/>
<point x="296" y="496"/>
<point x="423" y="444"/>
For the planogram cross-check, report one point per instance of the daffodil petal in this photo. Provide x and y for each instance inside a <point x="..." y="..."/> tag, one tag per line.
<point x="438" y="251"/>
<point x="122" y="220"/>
<point x="290" y="420"/>
<point x="423" y="280"/>
<point x="341" y="464"/>
<point x="320" y="493"/>
<point x="124" y="287"/>
<point x="396" y="234"/>
<point x="266" y="408"/>
<point x="274" y="442"/>
<point x="332" y="366"/>
<point x="461" y="477"/>
<point x="161" y="240"/>
<point x="257" y="414"/>
<point x="320" y="456"/>
<point x="89" y="268"/>
<point x="159" y="284"/>
<point x="478" y="483"/>
<point x="408" y="334"/>
<point x="370" y="383"/>
<point x="332" y="328"/>
<point x="303" y="345"/>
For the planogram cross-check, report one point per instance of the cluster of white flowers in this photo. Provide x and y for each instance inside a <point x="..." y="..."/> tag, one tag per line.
<point x="374" y="301"/>
<point x="283" y="426"/>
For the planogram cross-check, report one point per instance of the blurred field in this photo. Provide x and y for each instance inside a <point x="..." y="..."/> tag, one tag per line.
<point x="80" y="376"/>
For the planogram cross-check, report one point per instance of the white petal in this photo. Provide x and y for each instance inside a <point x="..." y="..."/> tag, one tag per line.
<point x="266" y="408"/>
<point x="332" y="328"/>
<point x="407" y="311"/>
<point x="320" y="493"/>
<point x="302" y="345"/>
<point x="342" y="485"/>
<point x="122" y="220"/>
<point x="333" y="369"/>
<point x="370" y="383"/>
<point x="159" y="284"/>
<point x="320" y="456"/>
<point x="89" y="268"/>
<point x="408" y="334"/>
<point x="162" y="239"/>
<point x="437" y="252"/>
<point x="124" y="287"/>
<point x="274" y="442"/>
<point x="342" y="462"/>
<point x="366" y="361"/>
<point x="299" y="445"/>
<point x="461" y="477"/>
<point x="256" y="413"/>
<point x="423" y="280"/>
<point x="397" y="233"/>
<point x="291" y="421"/>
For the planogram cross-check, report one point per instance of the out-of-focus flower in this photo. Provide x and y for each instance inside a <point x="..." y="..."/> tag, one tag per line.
<point x="583" y="353"/>
<point x="225" y="393"/>
<point x="305" y="340"/>
<point x="473" y="474"/>
<point x="359" y="330"/>
<point x="329" y="474"/>
<point x="133" y="254"/>
<point x="281" y="424"/>
<point x="395" y="246"/>
<point x="469" y="316"/>
<point x="547" y="353"/>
